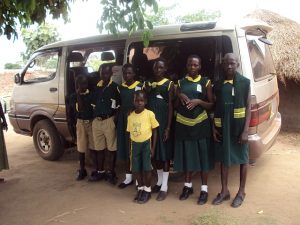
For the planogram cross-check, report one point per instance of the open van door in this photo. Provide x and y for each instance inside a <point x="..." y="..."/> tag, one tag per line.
<point x="265" y="119"/>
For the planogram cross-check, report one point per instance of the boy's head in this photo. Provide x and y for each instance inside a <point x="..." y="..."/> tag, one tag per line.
<point x="139" y="100"/>
<point x="82" y="83"/>
<point x="106" y="72"/>
<point x="128" y="72"/>
<point x="193" y="65"/>
<point x="230" y="63"/>
<point x="160" y="67"/>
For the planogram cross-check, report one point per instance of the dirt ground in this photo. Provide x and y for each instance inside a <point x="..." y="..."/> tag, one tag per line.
<point x="39" y="192"/>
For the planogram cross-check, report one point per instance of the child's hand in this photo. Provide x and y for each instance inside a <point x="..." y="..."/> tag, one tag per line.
<point x="152" y="153"/>
<point x="217" y="135"/>
<point x="183" y="99"/>
<point x="244" y="137"/>
<point x="192" y="104"/>
<point x="166" y="134"/>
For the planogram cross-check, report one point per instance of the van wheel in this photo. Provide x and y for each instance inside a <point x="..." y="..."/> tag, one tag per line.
<point x="47" y="141"/>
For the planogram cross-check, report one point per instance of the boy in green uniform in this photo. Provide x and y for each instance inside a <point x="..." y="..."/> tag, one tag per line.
<point x="231" y="122"/>
<point x="81" y="103"/>
<point x="126" y="91"/>
<point x="160" y="92"/>
<point x="143" y="134"/>
<point x="192" y="128"/>
<point x="105" y="101"/>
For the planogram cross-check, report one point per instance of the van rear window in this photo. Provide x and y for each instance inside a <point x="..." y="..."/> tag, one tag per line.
<point x="261" y="58"/>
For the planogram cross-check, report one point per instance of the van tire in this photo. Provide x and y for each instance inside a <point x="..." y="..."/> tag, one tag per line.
<point x="47" y="141"/>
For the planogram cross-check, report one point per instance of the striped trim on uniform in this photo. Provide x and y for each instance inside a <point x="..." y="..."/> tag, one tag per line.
<point x="191" y="122"/>
<point x="218" y="122"/>
<point x="239" y="113"/>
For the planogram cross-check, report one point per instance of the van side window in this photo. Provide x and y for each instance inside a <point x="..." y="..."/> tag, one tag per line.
<point x="260" y="57"/>
<point x="42" y="68"/>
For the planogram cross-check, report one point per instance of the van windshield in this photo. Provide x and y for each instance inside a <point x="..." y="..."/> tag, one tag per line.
<point x="261" y="59"/>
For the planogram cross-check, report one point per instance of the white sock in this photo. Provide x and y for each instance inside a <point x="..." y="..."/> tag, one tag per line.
<point x="147" y="189"/>
<point x="128" y="178"/>
<point x="140" y="188"/>
<point x="189" y="185"/>
<point x="136" y="183"/>
<point x="164" y="185"/>
<point x="204" y="188"/>
<point x="159" y="177"/>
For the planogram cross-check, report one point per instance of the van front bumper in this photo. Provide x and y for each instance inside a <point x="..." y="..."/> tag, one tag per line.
<point x="258" y="144"/>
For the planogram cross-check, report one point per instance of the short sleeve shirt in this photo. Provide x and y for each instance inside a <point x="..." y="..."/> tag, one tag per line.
<point x="140" y="125"/>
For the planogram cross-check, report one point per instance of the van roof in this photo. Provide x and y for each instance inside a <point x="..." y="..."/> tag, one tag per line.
<point x="206" y="26"/>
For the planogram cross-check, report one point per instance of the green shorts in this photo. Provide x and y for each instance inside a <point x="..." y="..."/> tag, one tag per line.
<point x="141" y="156"/>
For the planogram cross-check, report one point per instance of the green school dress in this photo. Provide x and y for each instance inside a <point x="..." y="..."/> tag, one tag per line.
<point x="192" y="130"/>
<point x="229" y="151"/>
<point x="158" y="102"/>
<point x="126" y="106"/>
<point x="3" y="153"/>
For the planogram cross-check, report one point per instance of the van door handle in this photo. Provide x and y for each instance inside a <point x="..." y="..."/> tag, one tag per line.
<point x="53" y="89"/>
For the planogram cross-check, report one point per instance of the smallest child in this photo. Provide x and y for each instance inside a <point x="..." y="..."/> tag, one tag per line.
<point x="142" y="126"/>
<point x="81" y="101"/>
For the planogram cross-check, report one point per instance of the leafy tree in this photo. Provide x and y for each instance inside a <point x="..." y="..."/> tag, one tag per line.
<point x="10" y="66"/>
<point x="201" y="15"/>
<point x="35" y="38"/>
<point x="162" y="15"/>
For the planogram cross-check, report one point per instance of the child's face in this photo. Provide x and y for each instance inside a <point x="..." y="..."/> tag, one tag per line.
<point x="230" y="65"/>
<point x="83" y="86"/>
<point x="193" y="66"/>
<point x="139" y="102"/>
<point x="106" y="74"/>
<point x="159" y="69"/>
<point x="128" y="74"/>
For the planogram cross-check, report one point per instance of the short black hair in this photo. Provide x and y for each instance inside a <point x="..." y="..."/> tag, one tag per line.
<point x="161" y="59"/>
<point x="108" y="66"/>
<point x="81" y="79"/>
<point x="129" y="65"/>
<point x="194" y="56"/>
<point x="141" y="92"/>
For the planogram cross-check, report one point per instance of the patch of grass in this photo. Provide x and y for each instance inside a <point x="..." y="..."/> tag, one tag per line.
<point x="214" y="218"/>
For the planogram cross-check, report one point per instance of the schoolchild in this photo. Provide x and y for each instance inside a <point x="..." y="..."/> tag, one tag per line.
<point x="231" y="122"/>
<point x="126" y="91"/>
<point x="105" y="102"/>
<point x="160" y="91"/>
<point x="142" y="127"/>
<point x="3" y="154"/>
<point x="192" y="128"/>
<point x="81" y="104"/>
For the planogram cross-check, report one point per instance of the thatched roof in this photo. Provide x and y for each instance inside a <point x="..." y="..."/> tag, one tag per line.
<point x="286" y="43"/>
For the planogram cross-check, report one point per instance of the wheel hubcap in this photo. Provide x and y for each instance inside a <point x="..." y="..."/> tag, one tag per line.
<point x="44" y="141"/>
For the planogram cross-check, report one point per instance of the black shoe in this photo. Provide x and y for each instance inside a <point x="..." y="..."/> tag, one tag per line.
<point x="202" y="198"/>
<point x="161" y="196"/>
<point x="186" y="192"/>
<point x="144" y="197"/>
<point x="138" y="195"/>
<point x="220" y="199"/>
<point x="237" y="201"/>
<point x="155" y="188"/>
<point x="81" y="174"/>
<point x="123" y="185"/>
<point x="96" y="176"/>
<point x="111" y="177"/>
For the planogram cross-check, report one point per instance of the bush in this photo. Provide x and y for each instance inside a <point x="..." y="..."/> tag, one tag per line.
<point x="10" y="66"/>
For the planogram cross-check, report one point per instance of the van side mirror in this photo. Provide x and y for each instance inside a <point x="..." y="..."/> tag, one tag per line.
<point x="17" y="78"/>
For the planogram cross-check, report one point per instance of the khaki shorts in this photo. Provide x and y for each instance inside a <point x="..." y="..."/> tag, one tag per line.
<point x="104" y="134"/>
<point x="84" y="134"/>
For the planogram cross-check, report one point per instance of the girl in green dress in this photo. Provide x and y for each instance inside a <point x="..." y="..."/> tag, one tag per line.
<point x="192" y="128"/>
<point x="3" y="153"/>
<point x="160" y="95"/>
<point x="231" y="123"/>
<point x="126" y="90"/>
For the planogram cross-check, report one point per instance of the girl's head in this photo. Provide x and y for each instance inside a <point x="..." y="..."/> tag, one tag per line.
<point x="105" y="72"/>
<point x="193" y="65"/>
<point x="139" y="100"/>
<point x="230" y="63"/>
<point x="159" y="68"/>
<point x="82" y="83"/>
<point x="128" y="72"/>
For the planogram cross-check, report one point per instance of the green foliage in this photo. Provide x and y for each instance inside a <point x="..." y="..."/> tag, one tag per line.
<point x="127" y="14"/>
<point x="27" y="12"/>
<point x="162" y="15"/>
<point x="11" y="66"/>
<point x="36" y="38"/>
<point x="201" y="15"/>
